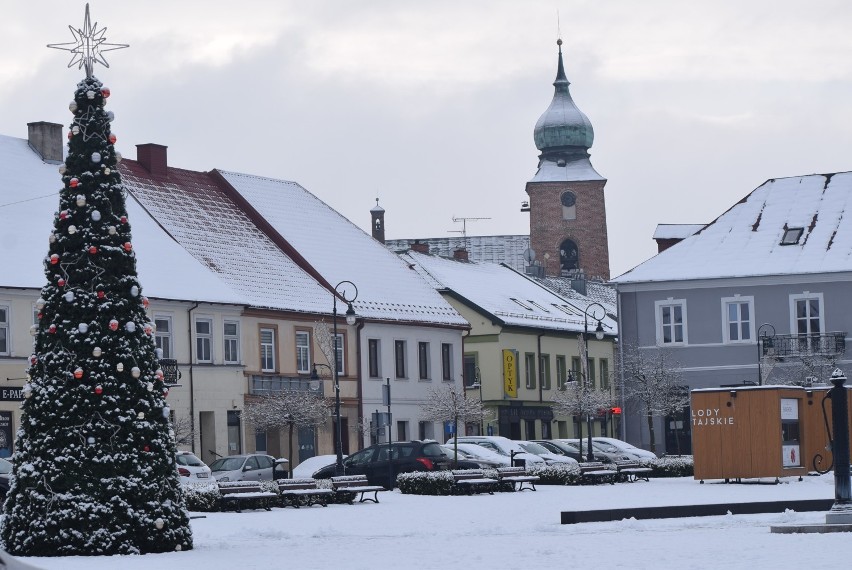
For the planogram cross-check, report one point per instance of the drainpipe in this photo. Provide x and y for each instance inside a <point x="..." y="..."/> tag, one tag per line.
<point x="191" y="383"/>
<point x="358" y="328"/>
<point x="621" y="367"/>
<point x="539" y="367"/>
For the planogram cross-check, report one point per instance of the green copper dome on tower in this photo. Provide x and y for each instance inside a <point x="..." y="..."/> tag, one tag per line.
<point x="563" y="128"/>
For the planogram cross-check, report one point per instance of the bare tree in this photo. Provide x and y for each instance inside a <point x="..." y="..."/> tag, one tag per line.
<point x="324" y="336"/>
<point x="654" y="381"/>
<point x="803" y="368"/>
<point x="289" y="410"/>
<point x="451" y="405"/>
<point x="580" y="399"/>
<point x="184" y="430"/>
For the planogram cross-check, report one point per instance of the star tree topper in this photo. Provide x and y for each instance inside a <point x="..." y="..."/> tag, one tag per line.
<point x="88" y="45"/>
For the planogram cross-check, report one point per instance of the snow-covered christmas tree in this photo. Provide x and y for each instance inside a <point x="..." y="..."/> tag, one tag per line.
<point x="94" y="458"/>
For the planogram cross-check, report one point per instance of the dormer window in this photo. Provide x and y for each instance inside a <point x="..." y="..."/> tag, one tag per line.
<point x="791" y="236"/>
<point x="521" y="303"/>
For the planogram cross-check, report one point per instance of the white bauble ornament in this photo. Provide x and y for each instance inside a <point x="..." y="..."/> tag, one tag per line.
<point x="72" y="106"/>
<point x="119" y="367"/>
<point x="40" y="304"/>
<point x="83" y="328"/>
<point x="159" y="523"/>
<point x="34" y="330"/>
<point x="27" y="390"/>
<point x="72" y="230"/>
<point x="81" y="200"/>
<point x="117" y="157"/>
<point x="75" y="130"/>
<point x="96" y="157"/>
<point x="96" y="352"/>
<point x="130" y="326"/>
<point x="135" y="372"/>
<point x="90" y="94"/>
<point x="91" y="441"/>
<point x="110" y="116"/>
<point x="51" y="238"/>
<point x="166" y="411"/>
<point x="107" y="171"/>
<point x="111" y="230"/>
<point x="62" y="168"/>
<point x="140" y="416"/>
<point x="178" y="548"/>
<point x="69" y="296"/>
<point x="96" y="215"/>
<point x="149" y="386"/>
<point x="134" y="291"/>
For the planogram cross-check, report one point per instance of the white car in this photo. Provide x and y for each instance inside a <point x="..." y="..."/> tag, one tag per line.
<point x="252" y="467"/>
<point x="549" y="457"/>
<point x="502" y="445"/>
<point x="190" y="468"/>
<point x="482" y="454"/>
<point x="464" y="455"/>
<point x="625" y="447"/>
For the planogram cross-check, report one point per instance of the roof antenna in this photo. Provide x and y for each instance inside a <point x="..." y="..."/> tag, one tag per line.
<point x="464" y="222"/>
<point x="558" y="27"/>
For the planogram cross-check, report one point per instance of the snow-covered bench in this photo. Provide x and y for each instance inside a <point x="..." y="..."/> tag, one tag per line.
<point x="356" y="484"/>
<point x="302" y="493"/>
<point x="250" y="493"/>
<point x="596" y="472"/>
<point x="474" y="481"/>
<point x="632" y="470"/>
<point x="518" y="477"/>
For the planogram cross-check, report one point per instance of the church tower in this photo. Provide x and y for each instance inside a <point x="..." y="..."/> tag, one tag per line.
<point x="377" y="215"/>
<point x="566" y="196"/>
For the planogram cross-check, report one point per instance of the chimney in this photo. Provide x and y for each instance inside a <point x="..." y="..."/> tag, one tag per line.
<point x="46" y="140"/>
<point x="153" y="158"/>
<point x="420" y="247"/>
<point x="460" y="254"/>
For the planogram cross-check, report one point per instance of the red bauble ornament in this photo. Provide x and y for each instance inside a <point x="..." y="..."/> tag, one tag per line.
<point x="78" y="373"/>
<point x="63" y="214"/>
<point x="99" y="390"/>
<point x="33" y="359"/>
<point x="101" y="294"/>
<point x="123" y="219"/>
<point x="145" y="302"/>
<point x="105" y="92"/>
<point x="128" y="246"/>
<point x="61" y="282"/>
<point x="54" y="259"/>
<point x="70" y="135"/>
<point x="51" y="329"/>
<point x="112" y="138"/>
<point x="93" y="250"/>
<point x="39" y="316"/>
<point x="113" y="325"/>
<point x="147" y="448"/>
<point x="74" y="183"/>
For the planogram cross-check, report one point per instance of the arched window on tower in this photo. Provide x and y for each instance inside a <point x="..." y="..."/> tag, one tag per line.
<point x="378" y="223"/>
<point x="569" y="258"/>
<point x="569" y="208"/>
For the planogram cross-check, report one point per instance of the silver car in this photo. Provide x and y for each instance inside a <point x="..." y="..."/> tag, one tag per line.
<point x="254" y="467"/>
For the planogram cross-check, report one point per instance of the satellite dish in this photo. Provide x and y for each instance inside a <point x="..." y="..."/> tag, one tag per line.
<point x="529" y="255"/>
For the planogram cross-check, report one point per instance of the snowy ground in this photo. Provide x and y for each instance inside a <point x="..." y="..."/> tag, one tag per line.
<point x="505" y="531"/>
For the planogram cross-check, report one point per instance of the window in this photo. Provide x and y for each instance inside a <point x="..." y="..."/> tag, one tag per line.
<point x="426" y="430"/>
<point x="544" y="366"/>
<point x="591" y="373"/>
<point x="806" y="314"/>
<point x="374" y="357"/>
<point x="399" y="358"/>
<point x="232" y="342"/>
<point x="529" y="366"/>
<point x="791" y="236"/>
<point x="260" y="441"/>
<point x="203" y="340"/>
<point x="163" y="335"/>
<point x="470" y="370"/>
<point x="604" y="364"/>
<point x="521" y="303"/>
<point x="447" y="361"/>
<point x="561" y="372"/>
<point x="338" y="353"/>
<point x="267" y="350"/>
<point x="576" y="367"/>
<point x="303" y="352"/>
<point x="4" y="330"/>
<point x="569" y="206"/>
<point x="423" y="360"/>
<point x="569" y="257"/>
<point x="738" y="319"/>
<point x="402" y="431"/>
<point x="671" y="322"/>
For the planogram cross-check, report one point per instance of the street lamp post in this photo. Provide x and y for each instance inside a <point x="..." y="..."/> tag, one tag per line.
<point x="478" y="384"/>
<point x="765" y="336"/>
<point x="348" y="292"/>
<point x="591" y="311"/>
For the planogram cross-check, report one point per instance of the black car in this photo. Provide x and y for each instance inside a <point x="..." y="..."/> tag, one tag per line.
<point x="373" y="461"/>
<point x="5" y="477"/>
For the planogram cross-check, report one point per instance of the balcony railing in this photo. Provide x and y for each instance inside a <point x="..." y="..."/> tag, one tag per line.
<point x="829" y="345"/>
<point x="273" y="384"/>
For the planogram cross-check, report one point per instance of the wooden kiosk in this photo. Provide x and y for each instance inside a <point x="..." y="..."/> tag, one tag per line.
<point x="752" y="432"/>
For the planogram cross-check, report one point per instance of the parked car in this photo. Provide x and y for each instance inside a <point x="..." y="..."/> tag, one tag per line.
<point x="600" y="453"/>
<point x="485" y="457"/>
<point x="190" y="468"/>
<point x="548" y="456"/>
<point x="252" y="467"/>
<point x="5" y="477"/>
<point x="624" y="447"/>
<point x="502" y="445"/>
<point x="465" y="460"/>
<point x="562" y="448"/>
<point x="407" y="456"/>
<point x="307" y="469"/>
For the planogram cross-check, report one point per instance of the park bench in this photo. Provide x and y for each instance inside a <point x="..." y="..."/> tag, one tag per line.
<point x="595" y="472"/>
<point x="632" y="471"/>
<point x="474" y="481"/>
<point x="356" y="484"/>
<point x="518" y="477"/>
<point x="250" y="493"/>
<point x="302" y="493"/>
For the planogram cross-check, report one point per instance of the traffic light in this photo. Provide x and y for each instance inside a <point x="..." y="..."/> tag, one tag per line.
<point x="616" y="411"/>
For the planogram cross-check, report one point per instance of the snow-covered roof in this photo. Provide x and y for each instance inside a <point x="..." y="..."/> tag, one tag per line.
<point x="339" y="250"/>
<point x="676" y="231"/>
<point x="596" y="291"/>
<point x="508" y="249"/>
<point x="573" y="171"/>
<point x="29" y="198"/>
<point x="505" y="294"/>
<point x="747" y="240"/>
<point x="202" y="218"/>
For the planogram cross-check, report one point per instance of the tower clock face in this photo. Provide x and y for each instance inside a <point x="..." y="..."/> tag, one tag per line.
<point x="568" y="199"/>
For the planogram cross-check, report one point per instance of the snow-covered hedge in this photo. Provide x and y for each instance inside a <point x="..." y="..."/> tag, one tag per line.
<point x="201" y="497"/>
<point x="436" y="482"/>
<point x="556" y="473"/>
<point x="672" y="466"/>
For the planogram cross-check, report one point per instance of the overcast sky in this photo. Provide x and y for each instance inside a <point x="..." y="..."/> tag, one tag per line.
<point x="430" y="105"/>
